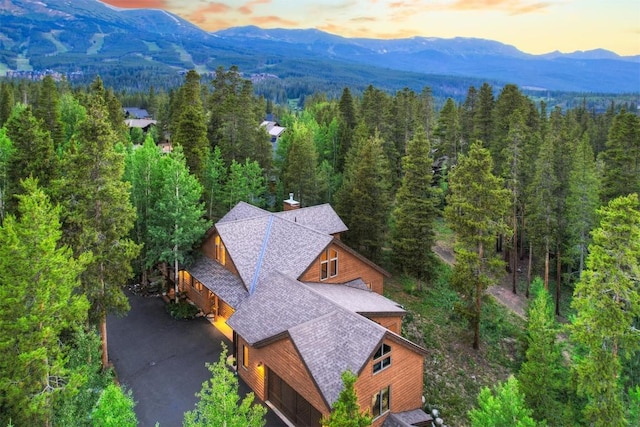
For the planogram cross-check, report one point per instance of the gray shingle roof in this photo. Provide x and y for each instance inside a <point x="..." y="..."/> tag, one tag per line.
<point x="219" y="280"/>
<point x="348" y="340"/>
<point x="356" y="299"/>
<point x="279" y="303"/>
<point x="241" y="211"/>
<point x="321" y="218"/>
<point x="261" y="245"/>
<point x="407" y="419"/>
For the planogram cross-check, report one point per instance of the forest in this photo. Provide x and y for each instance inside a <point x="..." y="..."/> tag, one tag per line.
<point x="543" y="197"/>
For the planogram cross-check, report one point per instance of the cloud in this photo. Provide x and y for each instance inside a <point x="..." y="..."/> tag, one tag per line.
<point x="247" y="8"/>
<point x="199" y="16"/>
<point x="273" y="20"/>
<point x="512" y="7"/>
<point x="138" y="4"/>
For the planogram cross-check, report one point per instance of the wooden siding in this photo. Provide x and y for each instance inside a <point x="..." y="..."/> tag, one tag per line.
<point x="350" y="268"/>
<point x="283" y="359"/>
<point x="202" y="298"/>
<point x="208" y="249"/>
<point x="392" y="323"/>
<point x="404" y="376"/>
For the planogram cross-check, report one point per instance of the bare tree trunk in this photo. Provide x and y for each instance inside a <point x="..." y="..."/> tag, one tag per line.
<point x="546" y="267"/>
<point x="558" y="280"/>
<point x="476" y="326"/>
<point x="529" y="269"/>
<point x="103" y="339"/>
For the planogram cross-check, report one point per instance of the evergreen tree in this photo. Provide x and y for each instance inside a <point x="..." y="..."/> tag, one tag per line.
<point x="543" y="377"/>
<point x="299" y="175"/>
<point x="114" y="409"/>
<point x="621" y="158"/>
<point x="504" y="407"/>
<point x="47" y="110"/>
<point x="607" y="304"/>
<point x="582" y="202"/>
<point x="72" y="113"/>
<point x="6" y="102"/>
<point x="467" y="112"/>
<point x="415" y="212"/>
<point x="346" y="411"/>
<point x="363" y="200"/>
<point x="476" y="209"/>
<point x="447" y="133"/>
<point x="38" y="303"/>
<point x="33" y="151"/>
<point x="190" y="129"/>
<point x="6" y="151"/>
<point x="404" y="118"/>
<point x="220" y="403"/>
<point x="483" y="116"/>
<point x="97" y="214"/>
<point x="347" y="122"/>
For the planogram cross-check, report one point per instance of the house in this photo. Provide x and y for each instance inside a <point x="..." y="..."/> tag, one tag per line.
<point x="274" y="130"/>
<point x="301" y="307"/>
<point x="135" y="113"/>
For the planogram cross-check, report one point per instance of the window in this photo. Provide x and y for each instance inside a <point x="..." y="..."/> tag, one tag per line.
<point x="197" y="285"/>
<point x="328" y="264"/>
<point x="381" y="358"/>
<point x="245" y="356"/>
<point x="380" y="402"/>
<point x="220" y="251"/>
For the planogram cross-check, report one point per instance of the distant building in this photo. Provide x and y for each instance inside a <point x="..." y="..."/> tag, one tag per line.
<point x="274" y="130"/>
<point x="135" y="113"/>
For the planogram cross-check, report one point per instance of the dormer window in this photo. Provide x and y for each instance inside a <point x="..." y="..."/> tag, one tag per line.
<point x="221" y="254"/>
<point x="382" y="358"/>
<point x="328" y="264"/>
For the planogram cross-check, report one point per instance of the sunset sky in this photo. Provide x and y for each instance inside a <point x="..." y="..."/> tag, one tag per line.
<point x="533" y="26"/>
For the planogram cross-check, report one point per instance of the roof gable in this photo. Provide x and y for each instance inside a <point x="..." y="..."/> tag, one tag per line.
<point x="321" y="218"/>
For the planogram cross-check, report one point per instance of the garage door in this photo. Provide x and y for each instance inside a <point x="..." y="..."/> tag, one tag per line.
<point x="291" y="404"/>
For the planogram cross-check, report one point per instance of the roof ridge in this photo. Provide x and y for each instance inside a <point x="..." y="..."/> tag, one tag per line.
<point x="263" y="250"/>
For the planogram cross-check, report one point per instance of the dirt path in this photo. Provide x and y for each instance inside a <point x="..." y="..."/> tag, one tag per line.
<point x="502" y="292"/>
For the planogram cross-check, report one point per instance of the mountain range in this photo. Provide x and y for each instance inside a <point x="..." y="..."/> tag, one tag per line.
<point x="90" y="37"/>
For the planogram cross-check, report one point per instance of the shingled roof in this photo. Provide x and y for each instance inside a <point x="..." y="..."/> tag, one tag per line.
<point x="357" y="300"/>
<point x="219" y="280"/>
<point x="321" y="218"/>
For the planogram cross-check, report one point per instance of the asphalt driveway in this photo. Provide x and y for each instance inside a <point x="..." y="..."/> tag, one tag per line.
<point x="162" y="360"/>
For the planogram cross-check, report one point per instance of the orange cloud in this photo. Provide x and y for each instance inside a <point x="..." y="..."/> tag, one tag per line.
<point x="273" y="20"/>
<point x="138" y="4"/>
<point x="199" y="16"/>
<point x="247" y="8"/>
<point x="513" y="7"/>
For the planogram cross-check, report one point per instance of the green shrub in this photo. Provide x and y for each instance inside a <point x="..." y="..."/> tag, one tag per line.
<point x="182" y="309"/>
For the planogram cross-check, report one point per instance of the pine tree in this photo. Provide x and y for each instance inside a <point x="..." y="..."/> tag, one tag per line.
<point x="33" y="154"/>
<point x="6" y="151"/>
<point x="363" y="200"/>
<point x="47" y="110"/>
<point x="621" y="158"/>
<point x="582" y="201"/>
<point x="299" y="175"/>
<point x="72" y="113"/>
<point x="176" y="221"/>
<point x="98" y="215"/>
<point x="476" y="210"/>
<point x="447" y="133"/>
<point x="504" y="407"/>
<point x="607" y="304"/>
<point x="6" y="102"/>
<point x="347" y="122"/>
<point x="220" y="404"/>
<point x="483" y="116"/>
<point x="543" y="377"/>
<point x="346" y="411"/>
<point x="245" y="182"/>
<point x="415" y="212"/>
<point x="39" y="302"/>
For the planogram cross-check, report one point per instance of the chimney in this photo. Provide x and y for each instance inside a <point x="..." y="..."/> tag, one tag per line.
<point x="290" y="204"/>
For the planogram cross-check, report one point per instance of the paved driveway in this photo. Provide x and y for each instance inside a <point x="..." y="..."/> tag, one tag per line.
<point x="162" y="360"/>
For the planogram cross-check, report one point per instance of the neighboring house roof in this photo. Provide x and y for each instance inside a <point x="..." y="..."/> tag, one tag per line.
<point x="140" y="123"/>
<point x="273" y="128"/>
<point x="407" y="419"/>
<point x="321" y="217"/>
<point x="357" y="300"/>
<point x="219" y="280"/>
<point x="138" y="113"/>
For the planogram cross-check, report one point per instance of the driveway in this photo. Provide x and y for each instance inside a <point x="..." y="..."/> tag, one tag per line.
<point x="162" y="360"/>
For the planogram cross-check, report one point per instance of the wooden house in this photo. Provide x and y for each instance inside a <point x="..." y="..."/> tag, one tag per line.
<point x="301" y="307"/>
